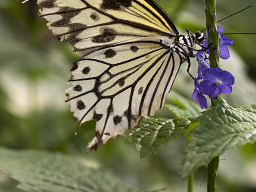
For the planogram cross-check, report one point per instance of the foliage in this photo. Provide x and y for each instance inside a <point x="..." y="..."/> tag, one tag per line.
<point x="153" y="132"/>
<point x="45" y="171"/>
<point x="181" y="106"/>
<point x="221" y="128"/>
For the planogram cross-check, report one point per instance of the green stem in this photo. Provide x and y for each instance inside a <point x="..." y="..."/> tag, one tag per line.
<point x="191" y="176"/>
<point x="190" y="182"/>
<point x="213" y="36"/>
<point x="212" y="174"/>
<point x="213" y="39"/>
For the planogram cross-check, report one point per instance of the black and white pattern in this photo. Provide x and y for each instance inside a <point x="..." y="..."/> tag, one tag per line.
<point x="131" y="54"/>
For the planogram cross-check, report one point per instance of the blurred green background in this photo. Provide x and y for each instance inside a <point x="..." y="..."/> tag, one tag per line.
<point x="33" y="115"/>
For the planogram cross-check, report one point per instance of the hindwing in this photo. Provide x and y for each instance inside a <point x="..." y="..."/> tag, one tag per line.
<point x="118" y="85"/>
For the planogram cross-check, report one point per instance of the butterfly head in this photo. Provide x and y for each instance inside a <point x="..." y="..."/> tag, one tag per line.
<point x="199" y="37"/>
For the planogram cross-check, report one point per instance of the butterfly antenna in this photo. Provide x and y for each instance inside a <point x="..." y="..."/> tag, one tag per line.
<point x="239" y="33"/>
<point x="234" y="14"/>
<point x="231" y="15"/>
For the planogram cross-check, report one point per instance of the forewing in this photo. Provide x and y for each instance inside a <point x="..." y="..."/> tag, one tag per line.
<point x="91" y="24"/>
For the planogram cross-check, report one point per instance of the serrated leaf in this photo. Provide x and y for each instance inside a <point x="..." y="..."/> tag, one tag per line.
<point x="182" y="107"/>
<point x="154" y="132"/>
<point x="44" y="171"/>
<point x="221" y="128"/>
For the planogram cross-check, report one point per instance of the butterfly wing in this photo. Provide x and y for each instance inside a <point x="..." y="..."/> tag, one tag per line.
<point x="125" y="71"/>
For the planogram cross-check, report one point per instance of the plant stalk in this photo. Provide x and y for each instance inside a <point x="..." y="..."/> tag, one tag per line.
<point x="213" y="40"/>
<point x="188" y="138"/>
<point x="212" y="174"/>
<point x="190" y="182"/>
<point x="213" y="36"/>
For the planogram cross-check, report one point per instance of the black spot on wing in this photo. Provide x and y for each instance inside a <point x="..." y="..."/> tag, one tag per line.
<point x="74" y="67"/>
<point x="121" y="82"/>
<point x="109" y="53"/>
<point x="71" y="78"/>
<point x="80" y="105"/>
<point x="107" y="134"/>
<point x="140" y="91"/>
<point x="107" y="35"/>
<point x="97" y="134"/>
<point x="115" y="4"/>
<point x="117" y="119"/>
<point x="94" y="147"/>
<point x="96" y="116"/>
<point x="134" y="49"/>
<point x="47" y="4"/>
<point x="86" y="70"/>
<point x="74" y="30"/>
<point x="76" y="119"/>
<point x="77" y="88"/>
<point x="133" y="118"/>
<point x="95" y="17"/>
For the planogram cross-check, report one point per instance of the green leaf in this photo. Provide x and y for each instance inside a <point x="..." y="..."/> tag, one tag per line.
<point x="189" y="128"/>
<point x="154" y="132"/>
<point x="44" y="171"/>
<point x="221" y="128"/>
<point x="182" y="107"/>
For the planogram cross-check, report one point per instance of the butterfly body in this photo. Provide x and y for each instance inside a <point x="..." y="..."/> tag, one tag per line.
<point x="131" y="53"/>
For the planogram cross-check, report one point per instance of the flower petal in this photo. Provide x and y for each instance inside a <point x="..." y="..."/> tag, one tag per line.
<point x="227" y="78"/>
<point x="206" y="35"/>
<point x="201" y="101"/>
<point x="206" y="87"/>
<point x="225" y="89"/>
<point x="212" y="74"/>
<point x="219" y="29"/>
<point x="224" y="53"/>
<point x="202" y="67"/>
<point x="200" y="98"/>
<point x="196" y="83"/>
<point x="205" y="45"/>
<point x="194" y="95"/>
<point x="214" y="93"/>
<point x="200" y="56"/>
<point x="225" y="41"/>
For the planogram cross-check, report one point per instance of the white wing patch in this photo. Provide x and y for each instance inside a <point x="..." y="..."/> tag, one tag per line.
<point x="125" y="71"/>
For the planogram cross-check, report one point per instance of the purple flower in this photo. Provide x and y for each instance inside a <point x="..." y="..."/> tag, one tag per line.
<point x="216" y="81"/>
<point x="199" y="97"/>
<point x="223" y="41"/>
<point x="203" y="63"/>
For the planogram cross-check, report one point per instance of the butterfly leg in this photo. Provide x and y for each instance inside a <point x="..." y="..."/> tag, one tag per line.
<point x="205" y="48"/>
<point x="189" y="64"/>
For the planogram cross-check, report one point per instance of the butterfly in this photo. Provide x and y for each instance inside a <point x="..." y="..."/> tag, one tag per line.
<point x="131" y="53"/>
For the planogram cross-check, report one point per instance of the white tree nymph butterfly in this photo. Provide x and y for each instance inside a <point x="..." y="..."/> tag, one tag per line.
<point x="131" y="53"/>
